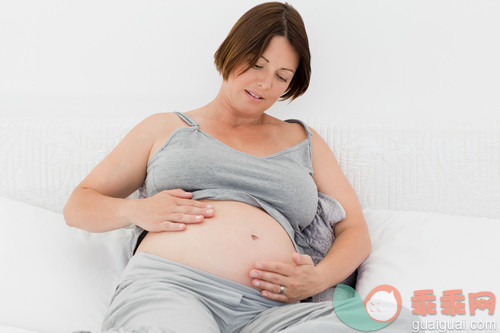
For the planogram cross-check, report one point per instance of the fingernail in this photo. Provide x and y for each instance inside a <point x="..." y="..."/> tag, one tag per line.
<point x="181" y="226"/>
<point x="260" y="266"/>
<point x="256" y="283"/>
<point x="210" y="211"/>
<point x="254" y="274"/>
<point x="209" y="206"/>
<point x="199" y="217"/>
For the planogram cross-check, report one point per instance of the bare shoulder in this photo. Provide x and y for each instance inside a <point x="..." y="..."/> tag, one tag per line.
<point x="158" y="127"/>
<point x="318" y="142"/>
<point x="292" y="132"/>
<point x="160" y="123"/>
<point x="326" y="168"/>
<point x="118" y="174"/>
<point x="322" y="152"/>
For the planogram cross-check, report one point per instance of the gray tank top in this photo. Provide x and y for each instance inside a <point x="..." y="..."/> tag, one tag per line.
<point x="280" y="183"/>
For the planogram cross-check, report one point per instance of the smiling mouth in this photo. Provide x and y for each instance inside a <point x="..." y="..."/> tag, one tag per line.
<point x="253" y="95"/>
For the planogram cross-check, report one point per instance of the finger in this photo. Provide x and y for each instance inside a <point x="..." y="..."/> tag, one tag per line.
<point x="180" y="193"/>
<point x="192" y="203"/>
<point x="274" y="288"/>
<point x="207" y="211"/>
<point x="184" y="218"/>
<point x="276" y="267"/>
<point x="275" y="296"/>
<point x="266" y="286"/>
<point x="302" y="259"/>
<point x="268" y="277"/>
<point x="171" y="226"/>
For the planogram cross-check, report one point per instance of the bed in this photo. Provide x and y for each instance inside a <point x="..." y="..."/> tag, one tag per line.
<point x="430" y="194"/>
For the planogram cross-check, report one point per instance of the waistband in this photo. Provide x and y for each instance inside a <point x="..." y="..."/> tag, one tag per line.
<point x="149" y="266"/>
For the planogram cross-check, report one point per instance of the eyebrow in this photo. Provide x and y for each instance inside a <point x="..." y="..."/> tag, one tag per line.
<point x="286" y="69"/>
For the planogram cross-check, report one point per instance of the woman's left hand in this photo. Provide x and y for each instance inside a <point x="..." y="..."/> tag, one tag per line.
<point x="296" y="281"/>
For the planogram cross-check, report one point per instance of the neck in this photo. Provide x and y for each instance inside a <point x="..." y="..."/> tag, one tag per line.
<point x="222" y="110"/>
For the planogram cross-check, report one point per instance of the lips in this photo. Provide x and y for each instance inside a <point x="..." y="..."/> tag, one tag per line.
<point x="254" y="95"/>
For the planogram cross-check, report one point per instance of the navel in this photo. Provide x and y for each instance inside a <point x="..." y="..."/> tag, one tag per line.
<point x="254" y="237"/>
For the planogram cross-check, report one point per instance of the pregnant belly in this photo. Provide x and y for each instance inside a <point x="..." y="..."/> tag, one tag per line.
<point x="228" y="244"/>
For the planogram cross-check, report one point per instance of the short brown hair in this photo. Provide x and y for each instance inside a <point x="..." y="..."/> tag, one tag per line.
<point x="251" y="35"/>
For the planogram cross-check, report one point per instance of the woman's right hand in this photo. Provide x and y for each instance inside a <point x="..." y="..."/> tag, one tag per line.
<point x="169" y="210"/>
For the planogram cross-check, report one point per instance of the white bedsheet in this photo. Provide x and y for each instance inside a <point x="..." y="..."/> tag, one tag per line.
<point x="10" y="329"/>
<point x="55" y="278"/>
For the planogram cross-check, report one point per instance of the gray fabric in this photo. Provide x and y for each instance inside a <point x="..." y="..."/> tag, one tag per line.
<point x="160" y="295"/>
<point x="155" y="292"/>
<point x="280" y="183"/>
<point x="219" y="172"/>
<point x="319" y="234"/>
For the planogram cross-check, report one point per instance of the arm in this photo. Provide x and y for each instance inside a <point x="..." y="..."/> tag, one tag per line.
<point x="98" y="203"/>
<point x="352" y="244"/>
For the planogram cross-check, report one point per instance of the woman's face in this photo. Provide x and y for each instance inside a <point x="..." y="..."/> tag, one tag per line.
<point x="257" y="89"/>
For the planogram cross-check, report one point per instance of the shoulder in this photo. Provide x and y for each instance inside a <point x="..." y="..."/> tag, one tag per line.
<point x="163" y="120"/>
<point x="317" y="140"/>
<point x="322" y="154"/>
<point x="157" y="128"/>
<point x="151" y="132"/>
<point x="293" y="130"/>
<point x="158" y="124"/>
<point x="328" y="175"/>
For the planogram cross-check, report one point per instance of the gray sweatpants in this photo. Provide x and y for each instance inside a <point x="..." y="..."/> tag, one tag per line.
<point x="160" y="295"/>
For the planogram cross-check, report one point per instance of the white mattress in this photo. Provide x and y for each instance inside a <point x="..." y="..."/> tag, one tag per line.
<point x="452" y="170"/>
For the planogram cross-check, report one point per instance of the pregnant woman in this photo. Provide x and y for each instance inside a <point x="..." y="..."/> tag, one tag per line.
<point x="228" y="191"/>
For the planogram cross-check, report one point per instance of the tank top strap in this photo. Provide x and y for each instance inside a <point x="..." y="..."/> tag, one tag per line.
<point x="190" y="121"/>
<point x="306" y="128"/>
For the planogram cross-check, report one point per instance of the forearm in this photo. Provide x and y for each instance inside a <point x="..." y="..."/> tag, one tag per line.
<point x="90" y="210"/>
<point x="348" y="251"/>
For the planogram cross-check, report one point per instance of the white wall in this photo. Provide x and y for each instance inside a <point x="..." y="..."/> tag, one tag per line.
<point x="415" y="60"/>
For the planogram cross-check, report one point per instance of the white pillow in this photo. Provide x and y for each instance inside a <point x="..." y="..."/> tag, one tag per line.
<point x="417" y="250"/>
<point x="55" y="278"/>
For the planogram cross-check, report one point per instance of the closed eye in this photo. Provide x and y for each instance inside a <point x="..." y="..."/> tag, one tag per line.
<point x="281" y="78"/>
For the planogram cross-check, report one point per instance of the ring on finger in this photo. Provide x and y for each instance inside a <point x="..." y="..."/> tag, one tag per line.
<point x="282" y="290"/>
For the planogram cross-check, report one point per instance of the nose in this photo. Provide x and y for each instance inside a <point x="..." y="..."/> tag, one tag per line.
<point x="265" y="80"/>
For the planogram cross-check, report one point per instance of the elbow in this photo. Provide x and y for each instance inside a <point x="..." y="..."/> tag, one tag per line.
<point x="71" y="213"/>
<point x="67" y="214"/>
<point x="73" y="209"/>
<point x="367" y="249"/>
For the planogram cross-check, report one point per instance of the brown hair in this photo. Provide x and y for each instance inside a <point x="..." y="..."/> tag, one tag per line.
<point x="251" y="35"/>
